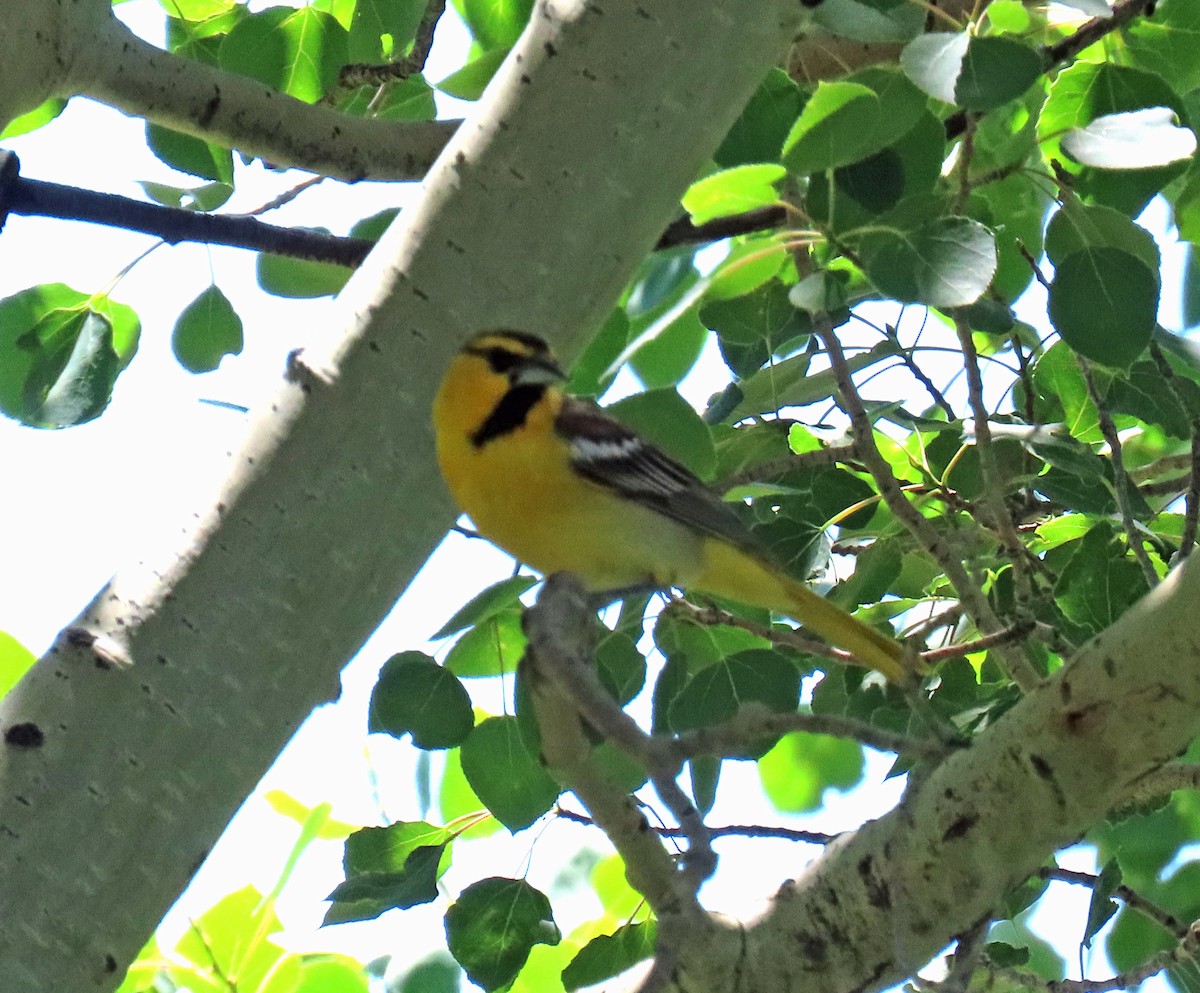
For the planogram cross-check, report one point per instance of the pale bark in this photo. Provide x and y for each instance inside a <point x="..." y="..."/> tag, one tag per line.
<point x="123" y="759"/>
<point x="881" y="902"/>
<point x="66" y="48"/>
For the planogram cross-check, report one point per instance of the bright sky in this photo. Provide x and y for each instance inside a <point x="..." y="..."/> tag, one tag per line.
<point x="87" y="498"/>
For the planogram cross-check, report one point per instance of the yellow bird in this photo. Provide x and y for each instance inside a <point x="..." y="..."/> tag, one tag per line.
<point x="563" y="487"/>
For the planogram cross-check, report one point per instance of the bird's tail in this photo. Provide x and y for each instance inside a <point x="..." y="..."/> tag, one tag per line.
<point x="753" y="581"/>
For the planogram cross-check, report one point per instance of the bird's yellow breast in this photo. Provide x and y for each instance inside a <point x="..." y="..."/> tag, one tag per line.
<point x="521" y="491"/>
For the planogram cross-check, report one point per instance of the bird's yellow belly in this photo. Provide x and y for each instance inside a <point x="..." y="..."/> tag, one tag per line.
<point x="607" y="541"/>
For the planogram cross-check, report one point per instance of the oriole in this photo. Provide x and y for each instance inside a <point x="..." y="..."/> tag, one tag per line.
<point x="563" y="487"/>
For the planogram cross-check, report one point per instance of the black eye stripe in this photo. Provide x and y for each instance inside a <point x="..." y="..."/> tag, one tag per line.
<point x="500" y="359"/>
<point x="509" y="414"/>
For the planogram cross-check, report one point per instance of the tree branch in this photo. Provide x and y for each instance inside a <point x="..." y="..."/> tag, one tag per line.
<point x="993" y="485"/>
<point x="365" y="73"/>
<point x="30" y="197"/>
<point x="521" y="207"/>
<point x="1121" y="482"/>
<point x="890" y="489"/>
<point x="120" y="69"/>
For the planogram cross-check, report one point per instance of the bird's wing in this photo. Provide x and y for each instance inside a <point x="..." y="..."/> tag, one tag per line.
<point x="606" y="452"/>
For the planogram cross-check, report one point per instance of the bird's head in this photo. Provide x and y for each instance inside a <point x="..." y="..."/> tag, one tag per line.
<point x="489" y="367"/>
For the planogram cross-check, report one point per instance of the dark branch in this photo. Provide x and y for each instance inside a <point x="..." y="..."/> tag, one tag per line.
<point x="368" y="74"/>
<point x="33" y="198"/>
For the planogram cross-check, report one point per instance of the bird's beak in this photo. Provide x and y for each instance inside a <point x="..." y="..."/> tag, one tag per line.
<point x="538" y="370"/>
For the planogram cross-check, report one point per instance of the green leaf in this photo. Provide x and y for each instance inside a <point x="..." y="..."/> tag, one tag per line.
<point x="438" y="973"/>
<point x="298" y="52"/>
<point x="1167" y="43"/>
<point x="492" y="648"/>
<point x="207" y="330"/>
<point x="457" y="800"/>
<point x="15" y="661"/>
<point x="195" y="10"/>
<point x="864" y="190"/>
<point x="591" y="373"/>
<point x="934" y="62"/>
<point x="1104" y="303"/>
<point x="1059" y="384"/>
<point x="796" y="773"/>
<point x="414" y="695"/>
<point x="331" y="974"/>
<point x="1141" y="394"/>
<point x="510" y="781"/>
<point x="380" y="30"/>
<point x="190" y="154"/>
<point x="621" y="667"/>
<point x="752" y="263"/>
<point x="228" y="939"/>
<point x="469" y="82"/>
<point x="286" y="805"/>
<point x="1079" y="226"/>
<point x="717" y="692"/>
<point x="60" y="353"/>
<point x="299" y="279"/>
<point x="704" y="771"/>
<point x="869" y="20"/>
<point x="994" y="71"/>
<point x="788" y="384"/>
<point x="488" y="603"/>
<point x="1102" y="905"/>
<point x="1100" y="582"/>
<point x="665" y="352"/>
<point x="765" y="316"/>
<point x="733" y="191"/>
<point x="366" y="895"/>
<point x="1085" y="91"/>
<point x="31" y="120"/>
<point x="1005" y="956"/>
<point x="496" y="23"/>
<point x="210" y="196"/>
<point x="1135" y="139"/>
<point x="947" y="262"/>
<point x="758" y="134"/>
<point x="608" y="955"/>
<point x="835" y="128"/>
<point x="666" y="419"/>
<point x="976" y="73"/>
<point x="387" y="849"/>
<point x="494" y="924"/>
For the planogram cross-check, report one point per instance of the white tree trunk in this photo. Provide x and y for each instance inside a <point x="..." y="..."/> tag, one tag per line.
<point x="128" y="746"/>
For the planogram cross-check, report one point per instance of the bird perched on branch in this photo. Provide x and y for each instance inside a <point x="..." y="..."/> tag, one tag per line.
<point x="563" y="487"/>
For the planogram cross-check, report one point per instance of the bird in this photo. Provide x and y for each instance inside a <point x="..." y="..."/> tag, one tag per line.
<point x="564" y="487"/>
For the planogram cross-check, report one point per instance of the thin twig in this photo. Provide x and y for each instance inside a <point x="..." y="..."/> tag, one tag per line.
<point x="1015" y="664"/>
<point x="780" y="637"/>
<point x="553" y="628"/>
<point x="1164" y="781"/>
<point x="1121" y="482"/>
<point x="948" y="618"/>
<point x="772" y="468"/>
<point x="1095" y="29"/>
<point x="371" y="74"/>
<point x="1168" y="463"/>
<point x="992" y="483"/>
<point x="1192" y="500"/>
<point x="286" y="197"/>
<point x="725" y="831"/>
<point x="1011" y="634"/>
<point x="1135" y="901"/>
<point x="906" y="355"/>
<point x="755" y="724"/>
<point x="558" y="659"/>
<point x="1191" y="516"/>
